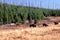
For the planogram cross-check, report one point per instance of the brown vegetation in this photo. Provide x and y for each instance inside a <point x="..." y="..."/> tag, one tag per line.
<point x="44" y="33"/>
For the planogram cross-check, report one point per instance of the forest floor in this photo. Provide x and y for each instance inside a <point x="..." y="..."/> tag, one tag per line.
<point x="52" y="32"/>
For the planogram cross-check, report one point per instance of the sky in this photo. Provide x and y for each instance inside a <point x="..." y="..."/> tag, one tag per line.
<point x="51" y="4"/>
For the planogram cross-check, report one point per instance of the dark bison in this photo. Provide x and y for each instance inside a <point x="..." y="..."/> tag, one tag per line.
<point x="55" y="23"/>
<point x="44" y="24"/>
<point x="32" y="25"/>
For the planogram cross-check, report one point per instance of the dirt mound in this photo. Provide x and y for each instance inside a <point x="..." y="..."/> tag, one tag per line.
<point x="43" y="33"/>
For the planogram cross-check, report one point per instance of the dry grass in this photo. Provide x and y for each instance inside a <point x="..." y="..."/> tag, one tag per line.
<point x="52" y="32"/>
<point x="43" y="33"/>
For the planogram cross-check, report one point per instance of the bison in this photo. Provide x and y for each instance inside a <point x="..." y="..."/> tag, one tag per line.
<point x="44" y="24"/>
<point x="32" y="25"/>
<point x="55" y="23"/>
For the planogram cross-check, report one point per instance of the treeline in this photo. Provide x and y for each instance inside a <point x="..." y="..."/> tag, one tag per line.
<point x="19" y="14"/>
<point x="51" y="12"/>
